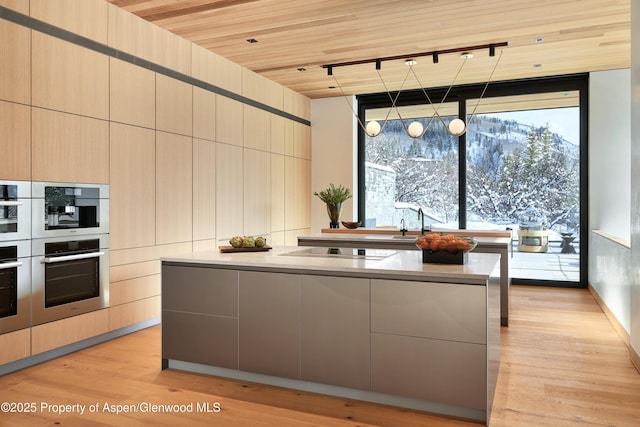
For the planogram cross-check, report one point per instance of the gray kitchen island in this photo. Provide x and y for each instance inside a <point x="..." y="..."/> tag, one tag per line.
<point x="376" y="325"/>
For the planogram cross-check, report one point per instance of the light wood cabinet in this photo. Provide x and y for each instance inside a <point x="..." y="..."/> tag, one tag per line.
<point x="67" y="331"/>
<point x="174" y="105"/>
<point x="125" y="291"/>
<point x="204" y="114"/>
<point x="278" y="124"/>
<point x="134" y="312"/>
<point x="15" y="162"/>
<point x="269" y="327"/>
<point x="134" y="35"/>
<point x="15" y="66"/>
<point x="204" y="189"/>
<point x="69" y="78"/>
<point x="15" y="345"/>
<point x="296" y="104"/>
<point x="301" y="141"/>
<point x="174" y="195"/>
<point x="229" y="187"/>
<point x="298" y="193"/>
<point x="215" y="69"/>
<point x="277" y="192"/>
<point x="335" y="330"/>
<point x="86" y="18"/>
<point x="132" y="94"/>
<point x="229" y="122"/>
<point x="69" y="148"/>
<point x="257" y="192"/>
<point x="257" y="128"/>
<point x="133" y="184"/>
<point x="261" y="89"/>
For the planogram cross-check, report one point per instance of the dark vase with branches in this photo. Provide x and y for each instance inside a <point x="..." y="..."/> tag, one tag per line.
<point x="334" y="197"/>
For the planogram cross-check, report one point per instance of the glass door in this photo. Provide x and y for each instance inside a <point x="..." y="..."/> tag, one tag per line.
<point x="523" y="172"/>
<point x="404" y="175"/>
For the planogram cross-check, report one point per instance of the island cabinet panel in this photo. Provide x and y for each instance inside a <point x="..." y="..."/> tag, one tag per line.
<point x="429" y="310"/>
<point x="335" y="330"/>
<point x="269" y="327"/>
<point x="447" y="372"/>
<point x="200" y="315"/>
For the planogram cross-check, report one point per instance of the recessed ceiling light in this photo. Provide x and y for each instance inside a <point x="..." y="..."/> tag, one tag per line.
<point x="539" y="40"/>
<point x="537" y="65"/>
<point x="332" y="87"/>
<point x="252" y="40"/>
<point x="302" y="69"/>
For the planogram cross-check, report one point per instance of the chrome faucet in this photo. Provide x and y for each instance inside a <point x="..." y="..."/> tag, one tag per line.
<point x="403" y="227"/>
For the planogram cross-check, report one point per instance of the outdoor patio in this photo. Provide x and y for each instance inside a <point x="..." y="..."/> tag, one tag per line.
<point x="551" y="265"/>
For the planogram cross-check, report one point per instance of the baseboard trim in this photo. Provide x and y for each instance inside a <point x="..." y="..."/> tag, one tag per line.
<point x="612" y="318"/>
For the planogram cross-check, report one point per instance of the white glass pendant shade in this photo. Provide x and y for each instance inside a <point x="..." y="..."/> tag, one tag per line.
<point x="415" y="129"/>
<point x="457" y="127"/>
<point x="373" y="128"/>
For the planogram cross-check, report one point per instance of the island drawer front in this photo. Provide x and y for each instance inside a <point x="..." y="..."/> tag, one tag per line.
<point x="199" y="338"/>
<point x="200" y="290"/>
<point x="448" y="372"/>
<point x="429" y="310"/>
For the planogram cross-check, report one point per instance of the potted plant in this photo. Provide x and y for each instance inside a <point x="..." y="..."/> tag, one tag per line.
<point x="333" y="197"/>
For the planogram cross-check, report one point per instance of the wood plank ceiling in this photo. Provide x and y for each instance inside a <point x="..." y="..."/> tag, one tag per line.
<point x="545" y="38"/>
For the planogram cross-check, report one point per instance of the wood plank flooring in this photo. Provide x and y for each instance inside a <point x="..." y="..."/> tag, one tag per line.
<point x="562" y="365"/>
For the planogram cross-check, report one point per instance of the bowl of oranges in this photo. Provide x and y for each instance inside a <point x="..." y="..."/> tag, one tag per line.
<point x="445" y="248"/>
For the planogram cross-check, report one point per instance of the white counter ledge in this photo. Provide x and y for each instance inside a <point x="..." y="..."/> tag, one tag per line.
<point x="375" y="324"/>
<point x="373" y="263"/>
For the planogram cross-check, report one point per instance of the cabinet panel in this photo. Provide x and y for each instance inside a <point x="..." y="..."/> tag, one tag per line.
<point x="269" y="332"/>
<point x="297" y="104"/>
<point x="174" y="106"/>
<point x="134" y="35"/>
<point x="69" y="148"/>
<point x="298" y="193"/>
<point x="15" y="346"/>
<point x="174" y="209"/>
<point x="134" y="312"/>
<point x="133" y="184"/>
<point x="257" y="192"/>
<point x="87" y="18"/>
<point x="132" y="94"/>
<point x="449" y="372"/>
<point x="257" y="128"/>
<point x="130" y="290"/>
<point x="200" y="290"/>
<point x="133" y="270"/>
<point x="430" y="310"/>
<point x="69" y="78"/>
<point x="229" y="123"/>
<point x="204" y="189"/>
<point x="261" y="89"/>
<point x="199" y="338"/>
<point x="15" y="162"/>
<point x="67" y="331"/>
<point x="229" y="187"/>
<point x="146" y="253"/>
<point x="335" y="330"/>
<point x="215" y="69"/>
<point x="277" y="134"/>
<point x="301" y="141"/>
<point x="15" y="67"/>
<point x="277" y="192"/>
<point x="204" y="114"/>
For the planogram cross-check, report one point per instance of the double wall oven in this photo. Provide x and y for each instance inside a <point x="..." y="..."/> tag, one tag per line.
<point x="15" y="255"/>
<point x="70" y="249"/>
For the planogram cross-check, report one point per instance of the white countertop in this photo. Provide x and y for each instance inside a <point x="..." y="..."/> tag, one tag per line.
<point x="399" y="264"/>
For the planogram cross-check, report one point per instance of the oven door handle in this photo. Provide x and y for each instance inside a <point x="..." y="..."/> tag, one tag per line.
<point x="10" y="203"/>
<point x="14" y="264"/>
<point x="54" y="259"/>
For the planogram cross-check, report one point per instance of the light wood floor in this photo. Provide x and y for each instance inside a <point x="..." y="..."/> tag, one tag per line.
<point x="562" y="365"/>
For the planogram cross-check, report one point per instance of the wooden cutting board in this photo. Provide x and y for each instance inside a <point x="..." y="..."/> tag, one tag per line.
<point x="229" y="249"/>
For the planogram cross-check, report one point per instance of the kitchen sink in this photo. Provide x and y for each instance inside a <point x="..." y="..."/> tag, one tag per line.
<point x="404" y="237"/>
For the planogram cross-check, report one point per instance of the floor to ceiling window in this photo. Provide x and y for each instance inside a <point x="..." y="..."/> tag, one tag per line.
<point x="520" y="165"/>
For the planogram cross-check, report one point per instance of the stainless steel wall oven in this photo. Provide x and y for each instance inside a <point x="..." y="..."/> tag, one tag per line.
<point x="70" y="276"/>
<point x="15" y="210"/>
<point x="15" y="285"/>
<point x="64" y="209"/>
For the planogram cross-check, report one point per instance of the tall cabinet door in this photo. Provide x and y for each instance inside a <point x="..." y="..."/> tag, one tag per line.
<point x="335" y="330"/>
